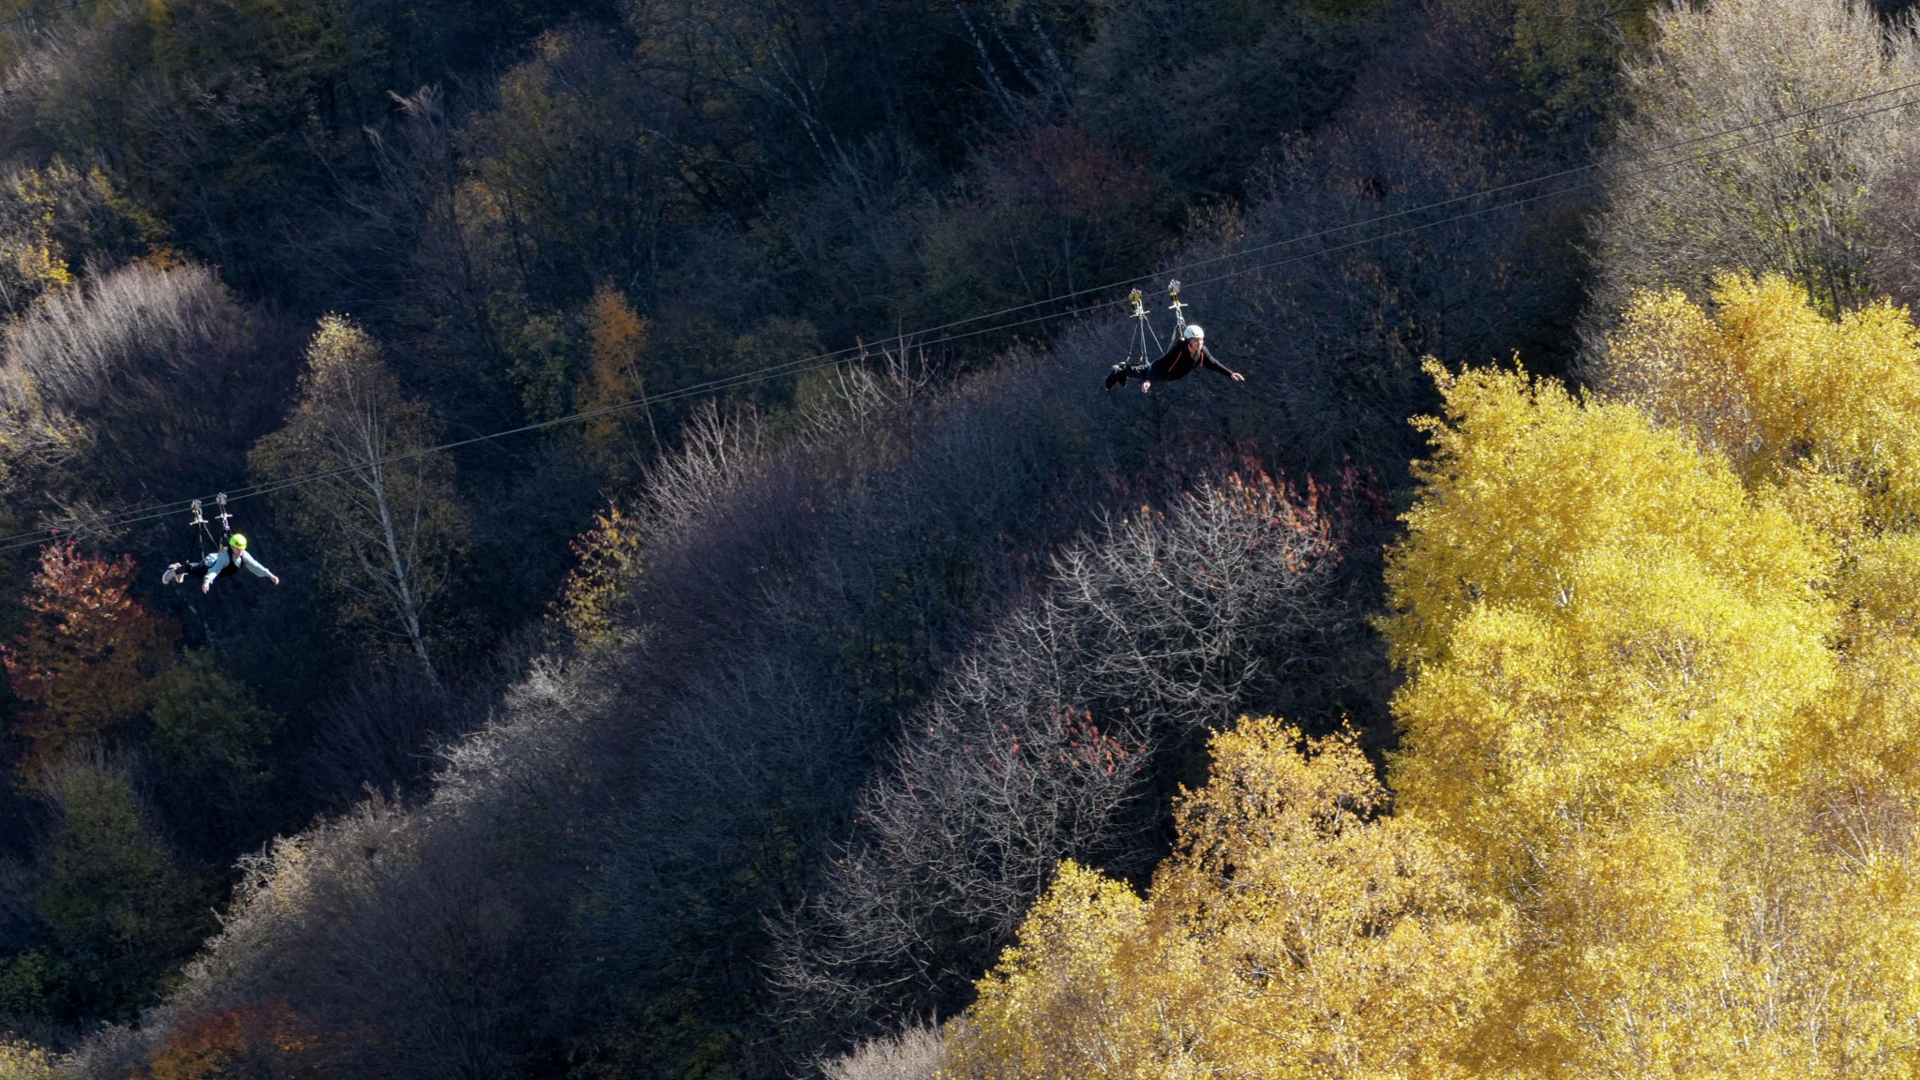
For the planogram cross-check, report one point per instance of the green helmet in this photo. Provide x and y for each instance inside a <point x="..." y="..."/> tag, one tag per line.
<point x="238" y="540"/>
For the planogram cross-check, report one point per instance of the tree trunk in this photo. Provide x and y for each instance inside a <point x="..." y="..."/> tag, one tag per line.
<point x="402" y="592"/>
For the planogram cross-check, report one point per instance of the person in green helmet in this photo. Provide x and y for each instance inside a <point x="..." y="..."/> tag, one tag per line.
<point x="230" y="558"/>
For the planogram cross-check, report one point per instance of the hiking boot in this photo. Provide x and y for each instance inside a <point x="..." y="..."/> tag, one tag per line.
<point x="1116" y="377"/>
<point x="171" y="576"/>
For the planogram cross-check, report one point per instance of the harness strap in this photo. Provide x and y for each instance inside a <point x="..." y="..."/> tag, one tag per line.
<point x="1142" y="330"/>
<point x="205" y="533"/>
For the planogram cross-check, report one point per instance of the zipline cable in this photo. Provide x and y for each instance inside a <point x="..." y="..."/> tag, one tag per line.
<point x="1442" y="203"/>
<point x="823" y="360"/>
<point x="820" y="361"/>
<point x="47" y="12"/>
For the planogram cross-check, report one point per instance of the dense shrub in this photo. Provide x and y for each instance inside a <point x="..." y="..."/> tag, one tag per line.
<point x="161" y="373"/>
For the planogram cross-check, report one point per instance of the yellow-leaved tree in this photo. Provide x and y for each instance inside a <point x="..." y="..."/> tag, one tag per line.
<point x="1823" y="414"/>
<point x="1783" y="391"/>
<point x="1586" y="604"/>
<point x="1656" y="801"/>
<point x="609" y="564"/>
<point x="1296" y="932"/>
<point x="1625" y="652"/>
<point x="22" y="1060"/>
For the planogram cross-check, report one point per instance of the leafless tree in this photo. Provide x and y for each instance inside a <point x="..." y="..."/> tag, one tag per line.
<point x="1038" y="744"/>
<point x="1247" y="80"/>
<point x="136" y="374"/>
<point x="381" y="731"/>
<point x="424" y="938"/>
<point x="1787" y="195"/>
<point x="914" y="1054"/>
<point x="720" y="451"/>
<point x="123" y="334"/>
<point x="1894" y="227"/>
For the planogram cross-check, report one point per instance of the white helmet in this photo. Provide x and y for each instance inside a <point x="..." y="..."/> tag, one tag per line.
<point x="1194" y="331"/>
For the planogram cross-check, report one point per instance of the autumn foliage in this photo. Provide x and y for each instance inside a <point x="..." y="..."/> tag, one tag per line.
<point x="617" y="342"/>
<point x="904" y="638"/>
<point x="263" y="1040"/>
<point x="1653" y="808"/>
<point x="22" y="1060"/>
<point x="87" y="656"/>
<point x="609" y="555"/>
<point x="1296" y="932"/>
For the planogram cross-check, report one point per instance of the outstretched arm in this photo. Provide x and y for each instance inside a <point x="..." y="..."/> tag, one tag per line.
<point x="1207" y="361"/>
<point x="254" y="565"/>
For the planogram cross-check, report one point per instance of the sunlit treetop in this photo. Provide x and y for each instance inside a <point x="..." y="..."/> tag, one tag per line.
<point x="1589" y="605"/>
<point x="1295" y="926"/>
<point x="1780" y="389"/>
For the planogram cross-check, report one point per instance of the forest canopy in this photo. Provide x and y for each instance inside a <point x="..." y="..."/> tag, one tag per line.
<point x="1651" y="813"/>
<point x="702" y="616"/>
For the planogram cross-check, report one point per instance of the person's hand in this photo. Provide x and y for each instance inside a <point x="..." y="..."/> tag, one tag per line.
<point x="275" y="578"/>
<point x="204" y="586"/>
<point x="1145" y="386"/>
<point x="1237" y="377"/>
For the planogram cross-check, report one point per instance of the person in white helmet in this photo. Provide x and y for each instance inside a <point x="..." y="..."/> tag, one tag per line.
<point x="1188" y="353"/>
<point x="232" y="556"/>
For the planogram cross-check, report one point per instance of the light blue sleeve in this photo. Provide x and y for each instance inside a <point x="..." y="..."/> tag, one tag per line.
<point x="252" y="564"/>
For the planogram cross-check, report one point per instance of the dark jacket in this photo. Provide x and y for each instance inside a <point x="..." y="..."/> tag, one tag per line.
<point x="1178" y="364"/>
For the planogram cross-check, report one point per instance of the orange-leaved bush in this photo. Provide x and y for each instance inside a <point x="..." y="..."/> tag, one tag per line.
<point x="87" y="656"/>
<point x="252" y="1040"/>
<point x="617" y="344"/>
